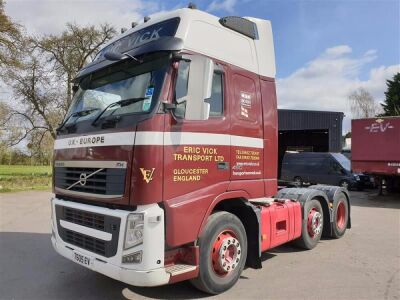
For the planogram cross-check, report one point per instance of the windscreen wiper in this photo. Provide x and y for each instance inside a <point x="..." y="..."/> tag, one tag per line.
<point x="80" y="113"/>
<point x="121" y="103"/>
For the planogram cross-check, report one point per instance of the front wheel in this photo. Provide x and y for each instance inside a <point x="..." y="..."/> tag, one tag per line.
<point x="223" y="252"/>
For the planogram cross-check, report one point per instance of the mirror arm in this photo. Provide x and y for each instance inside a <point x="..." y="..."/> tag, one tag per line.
<point x="179" y="57"/>
<point x="168" y="106"/>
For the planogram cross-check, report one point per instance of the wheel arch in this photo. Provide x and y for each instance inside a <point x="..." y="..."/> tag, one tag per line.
<point x="237" y="203"/>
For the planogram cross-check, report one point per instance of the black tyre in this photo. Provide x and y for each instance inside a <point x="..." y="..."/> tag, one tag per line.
<point x="223" y="252"/>
<point x="340" y="216"/>
<point x="313" y="225"/>
<point x="344" y="184"/>
<point x="298" y="181"/>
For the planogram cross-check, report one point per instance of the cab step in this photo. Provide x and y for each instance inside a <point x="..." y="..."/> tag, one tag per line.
<point x="179" y="269"/>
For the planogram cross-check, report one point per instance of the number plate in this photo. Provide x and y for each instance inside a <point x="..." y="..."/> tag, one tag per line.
<point x="82" y="259"/>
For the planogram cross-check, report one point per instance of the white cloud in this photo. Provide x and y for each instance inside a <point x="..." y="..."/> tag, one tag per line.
<point x="338" y="50"/>
<point x="226" y="5"/>
<point x="50" y="16"/>
<point x="325" y="82"/>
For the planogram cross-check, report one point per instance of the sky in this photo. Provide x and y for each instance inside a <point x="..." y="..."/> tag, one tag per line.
<point x="325" y="49"/>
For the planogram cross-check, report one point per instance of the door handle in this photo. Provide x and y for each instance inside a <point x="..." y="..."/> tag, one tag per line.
<point x="223" y="165"/>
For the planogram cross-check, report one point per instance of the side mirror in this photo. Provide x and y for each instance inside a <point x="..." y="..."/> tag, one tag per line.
<point x="200" y="79"/>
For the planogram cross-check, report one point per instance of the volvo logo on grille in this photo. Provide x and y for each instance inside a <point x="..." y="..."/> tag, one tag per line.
<point x="82" y="179"/>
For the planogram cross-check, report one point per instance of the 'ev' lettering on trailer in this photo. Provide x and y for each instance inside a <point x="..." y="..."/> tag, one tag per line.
<point x="379" y="126"/>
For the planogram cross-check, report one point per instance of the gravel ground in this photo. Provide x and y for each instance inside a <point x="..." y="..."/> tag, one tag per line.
<point x="364" y="264"/>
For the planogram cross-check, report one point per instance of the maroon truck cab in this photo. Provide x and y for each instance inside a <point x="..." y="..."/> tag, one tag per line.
<point x="165" y="168"/>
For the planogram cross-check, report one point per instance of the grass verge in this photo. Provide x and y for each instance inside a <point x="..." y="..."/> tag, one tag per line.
<point x="22" y="178"/>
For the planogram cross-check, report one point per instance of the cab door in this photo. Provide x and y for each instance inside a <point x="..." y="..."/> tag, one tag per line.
<point x="197" y="153"/>
<point x="247" y="148"/>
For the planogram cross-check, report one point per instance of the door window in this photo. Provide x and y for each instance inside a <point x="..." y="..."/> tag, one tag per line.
<point x="181" y="88"/>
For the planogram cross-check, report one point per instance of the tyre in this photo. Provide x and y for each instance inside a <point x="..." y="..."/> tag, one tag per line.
<point x="344" y="184"/>
<point x="223" y="252"/>
<point x="312" y="226"/>
<point x="298" y="181"/>
<point x="340" y="216"/>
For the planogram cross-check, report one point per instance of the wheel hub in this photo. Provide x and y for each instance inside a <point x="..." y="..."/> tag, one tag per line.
<point x="341" y="215"/>
<point x="314" y="222"/>
<point x="226" y="253"/>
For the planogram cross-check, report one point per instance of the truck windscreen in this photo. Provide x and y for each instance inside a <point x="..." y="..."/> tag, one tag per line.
<point x="126" y="80"/>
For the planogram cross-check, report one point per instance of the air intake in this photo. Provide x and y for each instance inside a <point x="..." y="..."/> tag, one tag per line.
<point x="241" y="25"/>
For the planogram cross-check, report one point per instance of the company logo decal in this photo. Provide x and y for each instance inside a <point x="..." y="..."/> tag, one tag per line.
<point x="93" y="140"/>
<point x="137" y="38"/>
<point x="245" y="104"/>
<point x="147" y="174"/>
<point x="379" y="126"/>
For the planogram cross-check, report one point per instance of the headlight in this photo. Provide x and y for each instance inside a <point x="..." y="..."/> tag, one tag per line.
<point x="357" y="177"/>
<point x="134" y="230"/>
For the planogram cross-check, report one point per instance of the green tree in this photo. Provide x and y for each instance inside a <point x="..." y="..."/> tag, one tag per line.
<point x="10" y="36"/>
<point x="72" y="49"/>
<point x="391" y="106"/>
<point x="41" y="85"/>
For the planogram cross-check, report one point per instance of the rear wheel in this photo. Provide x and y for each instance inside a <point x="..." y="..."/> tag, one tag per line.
<point x="223" y="252"/>
<point x="340" y="216"/>
<point x="312" y="226"/>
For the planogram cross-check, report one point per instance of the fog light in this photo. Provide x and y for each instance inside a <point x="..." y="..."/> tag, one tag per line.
<point x="134" y="258"/>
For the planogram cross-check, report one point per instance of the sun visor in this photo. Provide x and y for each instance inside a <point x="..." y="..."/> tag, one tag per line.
<point x="161" y="44"/>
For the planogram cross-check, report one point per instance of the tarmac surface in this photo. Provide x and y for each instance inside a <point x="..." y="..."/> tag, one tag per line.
<point x="364" y="264"/>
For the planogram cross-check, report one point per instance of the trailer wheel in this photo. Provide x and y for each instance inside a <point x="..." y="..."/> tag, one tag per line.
<point x="312" y="226"/>
<point x="223" y="252"/>
<point x="340" y="216"/>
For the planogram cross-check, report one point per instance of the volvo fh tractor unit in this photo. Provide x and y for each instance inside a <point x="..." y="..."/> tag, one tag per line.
<point x="165" y="166"/>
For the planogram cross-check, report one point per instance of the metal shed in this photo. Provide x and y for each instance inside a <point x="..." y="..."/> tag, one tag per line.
<point x="308" y="130"/>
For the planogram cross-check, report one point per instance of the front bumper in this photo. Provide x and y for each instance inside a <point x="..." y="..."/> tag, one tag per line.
<point x="149" y="272"/>
<point x="133" y="277"/>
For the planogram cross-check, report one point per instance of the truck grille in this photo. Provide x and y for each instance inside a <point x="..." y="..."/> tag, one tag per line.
<point x="96" y="221"/>
<point x="84" y="218"/>
<point x="86" y="242"/>
<point x="99" y="181"/>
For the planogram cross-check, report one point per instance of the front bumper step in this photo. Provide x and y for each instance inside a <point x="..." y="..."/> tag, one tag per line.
<point x="179" y="269"/>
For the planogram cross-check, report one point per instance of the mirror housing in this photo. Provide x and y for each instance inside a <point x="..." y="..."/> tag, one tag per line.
<point x="200" y="79"/>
